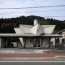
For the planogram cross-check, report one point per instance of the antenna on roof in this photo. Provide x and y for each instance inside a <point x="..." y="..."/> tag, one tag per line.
<point x="35" y="22"/>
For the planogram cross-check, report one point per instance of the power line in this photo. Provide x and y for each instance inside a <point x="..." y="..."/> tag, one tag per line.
<point x="35" y="7"/>
<point x="31" y="11"/>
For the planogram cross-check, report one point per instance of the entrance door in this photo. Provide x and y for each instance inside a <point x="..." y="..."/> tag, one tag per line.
<point x="36" y="42"/>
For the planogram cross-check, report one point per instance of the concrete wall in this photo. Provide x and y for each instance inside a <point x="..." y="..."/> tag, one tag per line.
<point x="48" y="29"/>
<point x="44" y="42"/>
<point x="25" y="29"/>
<point x="29" y="42"/>
<point x="17" y="30"/>
<point x="53" y="41"/>
<point x="37" y="29"/>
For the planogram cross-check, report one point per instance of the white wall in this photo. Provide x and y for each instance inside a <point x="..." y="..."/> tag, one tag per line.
<point x="53" y="41"/>
<point x="17" y="30"/>
<point x="48" y="29"/>
<point x="25" y="29"/>
<point x="38" y="29"/>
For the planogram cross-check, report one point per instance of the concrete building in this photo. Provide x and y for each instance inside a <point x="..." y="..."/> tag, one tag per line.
<point x="40" y="35"/>
<point x="30" y="36"/>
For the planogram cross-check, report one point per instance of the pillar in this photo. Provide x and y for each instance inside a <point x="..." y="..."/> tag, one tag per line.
<point x="0" y="42"/>
<point x="24" y="42"/>
<point x="21" y="43"/>
<point x="33" y="42"/>
<point x="60" y="40"/>
<point x="40" y="42"/>
<point x="49" y="43"/>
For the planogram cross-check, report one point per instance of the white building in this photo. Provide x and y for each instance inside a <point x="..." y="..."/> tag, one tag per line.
<point x="40" y="35"/>
<point x="31" y="36"/>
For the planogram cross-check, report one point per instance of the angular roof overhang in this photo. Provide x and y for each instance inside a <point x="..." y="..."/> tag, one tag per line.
<point x="30" y="35"/>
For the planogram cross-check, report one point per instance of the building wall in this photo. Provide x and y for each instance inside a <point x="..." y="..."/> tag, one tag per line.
<point x="24" y="29"/>
<point x="29" y="42"/>
<point x="37" y="29"/>
<point x="44" y="42"/>
<point x="52" y="41"/>
<point x="48" y="29"/>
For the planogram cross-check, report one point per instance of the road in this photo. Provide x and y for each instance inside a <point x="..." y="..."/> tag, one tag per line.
<point x="32" y="63"/>
<point x="58" y="58"/>
<point x="9" y="60"/>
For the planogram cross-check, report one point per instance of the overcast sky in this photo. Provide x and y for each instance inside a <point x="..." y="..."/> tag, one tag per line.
<point x="44" y="12"/>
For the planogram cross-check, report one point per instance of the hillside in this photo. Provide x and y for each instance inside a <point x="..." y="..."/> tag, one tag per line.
<point x="7" y="25"/>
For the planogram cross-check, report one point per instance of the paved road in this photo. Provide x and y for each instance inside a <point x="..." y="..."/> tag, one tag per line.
<point x="32" y="63"/>
<point x="33" y="59"/>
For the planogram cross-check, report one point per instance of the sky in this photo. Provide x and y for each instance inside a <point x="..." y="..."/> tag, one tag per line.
<point x="49" y="12"/>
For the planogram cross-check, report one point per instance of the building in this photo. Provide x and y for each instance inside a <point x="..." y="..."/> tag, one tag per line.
<point x="59" y="42"/>
<point x="37" y="36"/>
<point x="30" y="36"/>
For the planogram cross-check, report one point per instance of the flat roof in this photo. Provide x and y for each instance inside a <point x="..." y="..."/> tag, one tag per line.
<point x="29" y="35"/>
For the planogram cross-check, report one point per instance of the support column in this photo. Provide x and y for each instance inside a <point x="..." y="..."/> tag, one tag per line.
<point x="54" y="44"/>
<point x="21" y="44"/>
<point x="0" y="42"/>
<point x="24" y="42"/>
<point x="49" y="43"/>
<point x="33" y="42"/>
<point x="40" y="42"/>
<point x="6" y="42"/>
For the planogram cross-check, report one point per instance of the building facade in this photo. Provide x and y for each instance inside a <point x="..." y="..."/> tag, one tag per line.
<point x="31" y="36"/>
<point x="37" y="34"/>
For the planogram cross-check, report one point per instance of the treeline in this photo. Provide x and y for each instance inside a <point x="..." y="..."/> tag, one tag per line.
<point x="7" y="25"/>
